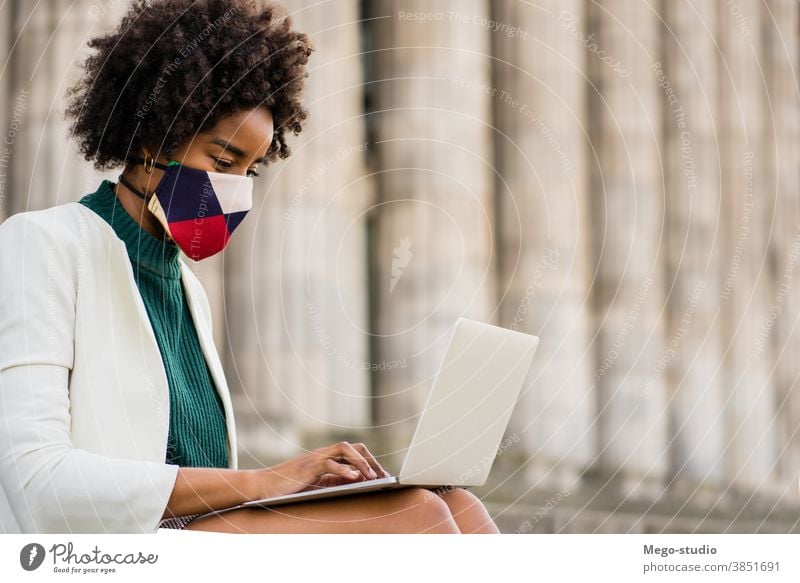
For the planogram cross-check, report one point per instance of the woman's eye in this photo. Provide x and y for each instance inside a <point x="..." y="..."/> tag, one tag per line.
<point x="219" y="163"/>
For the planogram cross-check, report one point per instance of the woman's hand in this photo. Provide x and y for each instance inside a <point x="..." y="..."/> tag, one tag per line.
<point x="340" y="463"/>
<point x="328" y="481"/>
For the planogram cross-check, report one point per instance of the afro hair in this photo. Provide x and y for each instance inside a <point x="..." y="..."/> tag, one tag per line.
<point x="175" y="67"/>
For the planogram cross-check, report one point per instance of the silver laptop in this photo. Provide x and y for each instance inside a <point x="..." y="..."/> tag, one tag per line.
<point x="464" y="419"/>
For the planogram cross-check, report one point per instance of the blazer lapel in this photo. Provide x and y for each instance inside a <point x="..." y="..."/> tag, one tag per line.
<point x="148" y="440"/>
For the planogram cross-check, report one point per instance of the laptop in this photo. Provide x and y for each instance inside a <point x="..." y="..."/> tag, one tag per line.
<point x="464" y="419"/>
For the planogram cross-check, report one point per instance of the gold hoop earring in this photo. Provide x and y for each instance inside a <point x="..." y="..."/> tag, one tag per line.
<point x="149" y="163"/>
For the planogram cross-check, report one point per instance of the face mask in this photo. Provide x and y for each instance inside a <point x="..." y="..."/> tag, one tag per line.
<point x="198" y="209"/>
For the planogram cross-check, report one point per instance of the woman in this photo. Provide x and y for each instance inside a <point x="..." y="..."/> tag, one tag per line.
<point x="116" y="416"/>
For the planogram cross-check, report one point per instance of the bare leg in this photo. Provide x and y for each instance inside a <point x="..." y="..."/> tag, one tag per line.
<point x="468" y="511"/>
<point x="406" y="510"/>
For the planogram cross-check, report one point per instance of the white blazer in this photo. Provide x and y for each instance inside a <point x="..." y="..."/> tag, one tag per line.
<point x="84" y="400"/>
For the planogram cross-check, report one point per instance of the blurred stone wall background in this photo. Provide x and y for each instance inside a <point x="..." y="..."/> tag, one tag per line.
<point x="619" y="177"/>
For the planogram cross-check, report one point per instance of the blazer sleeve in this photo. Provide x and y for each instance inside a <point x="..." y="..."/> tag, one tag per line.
<point x="8" y="522"/>
<point x="52" y="487"/>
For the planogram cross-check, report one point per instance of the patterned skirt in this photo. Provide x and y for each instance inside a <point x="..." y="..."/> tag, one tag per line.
<point x="179" y="522"/>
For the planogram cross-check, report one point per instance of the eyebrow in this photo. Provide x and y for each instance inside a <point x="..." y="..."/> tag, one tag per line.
<point x="234" y="150"/>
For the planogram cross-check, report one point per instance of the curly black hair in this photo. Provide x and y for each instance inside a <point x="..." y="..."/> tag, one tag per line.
<point x="175" y="67"/>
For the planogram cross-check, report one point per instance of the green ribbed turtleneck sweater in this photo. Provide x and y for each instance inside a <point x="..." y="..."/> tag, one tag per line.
<point x="197" y="431"/>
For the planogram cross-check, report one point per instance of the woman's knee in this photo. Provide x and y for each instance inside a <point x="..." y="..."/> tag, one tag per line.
<point x="429" y="512"/>
<point x="468" y="510"/>
<point x="460" y="497"/>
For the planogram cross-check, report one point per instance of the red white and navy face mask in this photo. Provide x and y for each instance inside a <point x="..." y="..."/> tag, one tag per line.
<point x="198" y="209"/>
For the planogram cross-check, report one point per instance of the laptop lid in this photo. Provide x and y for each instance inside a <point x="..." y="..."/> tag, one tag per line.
<point x="469" y="405"/>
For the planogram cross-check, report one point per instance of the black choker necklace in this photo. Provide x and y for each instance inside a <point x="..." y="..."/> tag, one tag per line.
<point x="132" y="188"/>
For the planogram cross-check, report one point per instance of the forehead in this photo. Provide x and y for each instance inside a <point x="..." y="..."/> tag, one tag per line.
<point x="251" y="129"/>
